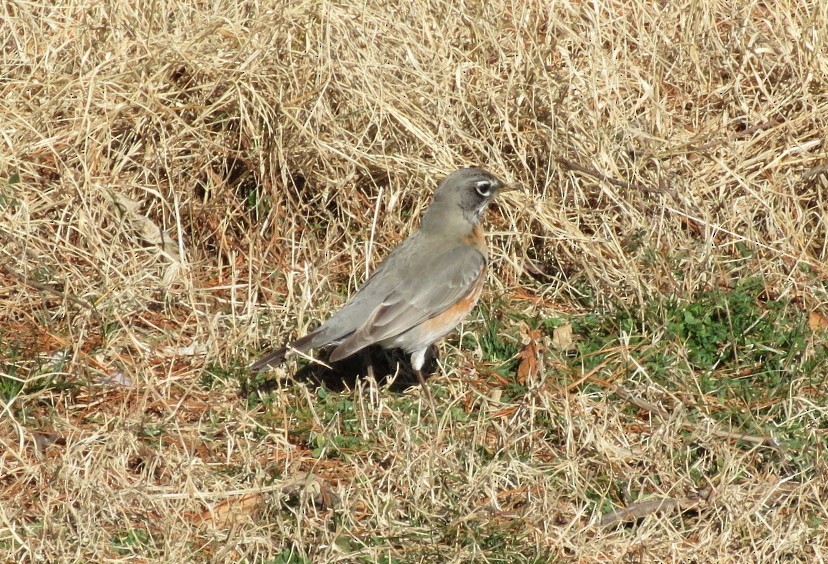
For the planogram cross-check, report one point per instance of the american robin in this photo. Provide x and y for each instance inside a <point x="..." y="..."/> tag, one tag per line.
<point x="423" y="289"/>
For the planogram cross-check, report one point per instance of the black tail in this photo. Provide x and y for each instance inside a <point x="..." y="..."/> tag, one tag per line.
<point x="277" y="357"/>
<point x="273" y="358"/>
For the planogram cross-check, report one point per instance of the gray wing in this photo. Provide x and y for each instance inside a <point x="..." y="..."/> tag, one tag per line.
<point x="424" y="291"/>
<point x="383" y="280"/>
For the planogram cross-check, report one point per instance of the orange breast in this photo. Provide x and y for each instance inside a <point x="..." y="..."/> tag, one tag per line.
<point x="477" y="239"/>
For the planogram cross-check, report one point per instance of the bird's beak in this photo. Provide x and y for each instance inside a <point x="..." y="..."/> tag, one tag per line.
<point x="507" y="188"/>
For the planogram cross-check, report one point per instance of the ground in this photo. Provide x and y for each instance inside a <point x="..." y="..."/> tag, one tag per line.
<point x="184" y="184"/>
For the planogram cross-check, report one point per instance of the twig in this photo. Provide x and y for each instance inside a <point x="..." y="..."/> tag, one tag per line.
<point x="639" y="510"/>
<point x="627" y="396"/>
<point x="716" y="227"/>
<point x="45" y="287"/>
<point x="814" y="172"/>
<point x="747" y="132"/>
<point x="601" y="176"/>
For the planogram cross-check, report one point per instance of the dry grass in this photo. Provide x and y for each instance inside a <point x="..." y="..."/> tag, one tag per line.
<point x="183" y="183"/>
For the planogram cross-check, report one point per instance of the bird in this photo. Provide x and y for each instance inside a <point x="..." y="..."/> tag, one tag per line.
<point x="423" y="289"/>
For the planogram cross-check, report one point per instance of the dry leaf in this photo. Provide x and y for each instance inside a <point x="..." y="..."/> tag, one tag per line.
<point x="230" y="511"/>
<point x="562" y="338"/>
<point x="145" y="227"/>
<point x="817" y="321"/>
<point x="116" y="379"/>
<point x="529" y="356"/>
<point x="317" y="489"/>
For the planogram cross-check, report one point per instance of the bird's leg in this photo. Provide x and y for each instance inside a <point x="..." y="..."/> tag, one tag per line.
<point x="417" y="362"/>
<point x="369" y="363"/>
<point x="427" y="393"/>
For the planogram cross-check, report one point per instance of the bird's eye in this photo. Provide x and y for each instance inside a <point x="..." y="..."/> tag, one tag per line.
<point x="484" y="188"/>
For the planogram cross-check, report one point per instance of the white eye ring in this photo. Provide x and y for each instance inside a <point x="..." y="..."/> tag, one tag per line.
<point x="484" y="188"/>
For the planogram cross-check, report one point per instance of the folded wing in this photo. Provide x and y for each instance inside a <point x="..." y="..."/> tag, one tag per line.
<point x="414" y="299"/>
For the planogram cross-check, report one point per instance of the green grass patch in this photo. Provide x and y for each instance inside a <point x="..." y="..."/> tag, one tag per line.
<point x="740" y="349"/>
<point x="725" y="331"/>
